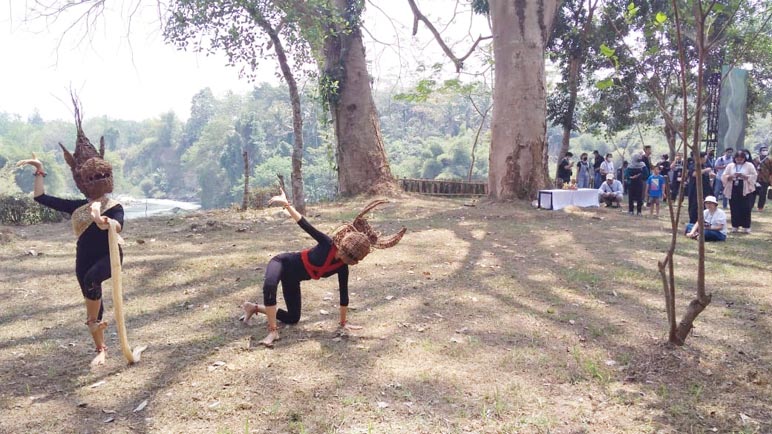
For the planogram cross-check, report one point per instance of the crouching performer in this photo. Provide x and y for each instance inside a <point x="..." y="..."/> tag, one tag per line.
<point x="332" y="255"/>
<point x="90" y="221"/>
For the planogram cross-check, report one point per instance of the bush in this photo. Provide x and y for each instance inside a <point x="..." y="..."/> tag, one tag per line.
<point x="258" y="197"/>
<point x="23" y="210"/>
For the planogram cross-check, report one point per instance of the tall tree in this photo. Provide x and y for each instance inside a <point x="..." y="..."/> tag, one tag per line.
<point x="345" y="81"/>
<point x="518" y="156"/>
<point x="569" y="44"/>
<point x="237" y="27"/>
<point x="518" y="150"/>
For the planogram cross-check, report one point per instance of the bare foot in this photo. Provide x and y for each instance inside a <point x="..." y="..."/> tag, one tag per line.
<point x="100" y="358"/>
<point x="346" y="330"/>
<point x="271" y="338"/>
<point x="249" y="310"/>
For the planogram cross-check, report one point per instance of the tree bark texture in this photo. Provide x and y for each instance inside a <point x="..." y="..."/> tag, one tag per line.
<point x="518" y="154"/>
<point x="361" y="158"/>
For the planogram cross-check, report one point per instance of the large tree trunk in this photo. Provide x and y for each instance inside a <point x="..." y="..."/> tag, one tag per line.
<point x="518" y="156"/>
<point x="361" y="158"/>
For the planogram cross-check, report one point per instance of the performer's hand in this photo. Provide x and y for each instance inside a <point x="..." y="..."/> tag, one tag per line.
<point x="34" y="162"/>
<point x="280" y="199"/>
<point x="96" y="209"/>
<point x="96" y="214"/>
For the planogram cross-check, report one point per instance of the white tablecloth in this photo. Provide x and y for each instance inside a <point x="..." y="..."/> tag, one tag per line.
<point x="558" y="199"/>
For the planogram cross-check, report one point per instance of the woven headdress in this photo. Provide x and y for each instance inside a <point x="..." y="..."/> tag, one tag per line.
<point x="93" y="175"/>
<point x="358" y="238"/>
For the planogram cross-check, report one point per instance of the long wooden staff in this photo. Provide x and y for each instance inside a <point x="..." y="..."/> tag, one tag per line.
<point x="115" y="269"/>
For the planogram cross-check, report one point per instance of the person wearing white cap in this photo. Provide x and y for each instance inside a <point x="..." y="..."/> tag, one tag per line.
<point x="715" y="222"/>
<point x="610" y="191"/>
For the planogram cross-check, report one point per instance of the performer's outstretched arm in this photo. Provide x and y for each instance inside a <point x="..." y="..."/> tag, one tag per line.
<point x="39" y="188"/>
<point x="282" y="200"/>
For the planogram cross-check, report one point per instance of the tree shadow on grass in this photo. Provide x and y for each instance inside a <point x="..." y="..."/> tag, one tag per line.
<point x="433" y="319"/>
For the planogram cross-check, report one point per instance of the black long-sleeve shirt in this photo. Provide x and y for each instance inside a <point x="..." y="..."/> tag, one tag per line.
<point x="317" y="255"/>
<point x="92" y="243"/>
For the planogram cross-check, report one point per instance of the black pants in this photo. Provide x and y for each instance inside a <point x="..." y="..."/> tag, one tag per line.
<point x="741" y="208"/>
<point x="90" y="277"/>
<point x="635" y="195"/>
<point x="284" y="268"/>
<point x="762" y="193"/>
<point x="693" y="202"/>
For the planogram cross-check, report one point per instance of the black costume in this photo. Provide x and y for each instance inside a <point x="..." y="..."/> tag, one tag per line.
<point x="292" y="268"/>
<point x="692" y="186"/>
<point x="92" y="257"/>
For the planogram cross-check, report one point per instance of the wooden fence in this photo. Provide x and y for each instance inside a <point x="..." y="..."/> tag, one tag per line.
<point x="435" y="187"/>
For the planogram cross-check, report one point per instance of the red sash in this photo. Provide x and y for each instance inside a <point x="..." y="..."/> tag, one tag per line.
<point x="316" y="272"/>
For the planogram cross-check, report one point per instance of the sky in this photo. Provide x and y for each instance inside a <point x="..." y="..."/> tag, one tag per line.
<point x="133" y="74"/>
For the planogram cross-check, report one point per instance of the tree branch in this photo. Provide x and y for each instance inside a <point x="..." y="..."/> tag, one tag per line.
<point x="457" y="61"/>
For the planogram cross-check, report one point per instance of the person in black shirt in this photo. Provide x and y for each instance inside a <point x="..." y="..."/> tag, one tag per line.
<point x="676" y="176"/>
<point x="90" y="221"/>
<point x="331" y="255"/>
<point x="564" y="168"/>
<point x="705" y="173"/>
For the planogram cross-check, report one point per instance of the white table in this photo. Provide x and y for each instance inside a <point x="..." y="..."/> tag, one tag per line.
<point x="558" y="199"/>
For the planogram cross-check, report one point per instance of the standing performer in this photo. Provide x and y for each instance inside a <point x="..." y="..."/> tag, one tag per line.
<point x="348" y="245"/>
<point x="90" y="221"/>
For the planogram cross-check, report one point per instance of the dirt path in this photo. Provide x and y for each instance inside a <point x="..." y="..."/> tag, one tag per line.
<point x="488" y="319"/>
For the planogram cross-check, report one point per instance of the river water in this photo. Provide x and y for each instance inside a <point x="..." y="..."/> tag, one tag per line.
<point x="136" y="208"/>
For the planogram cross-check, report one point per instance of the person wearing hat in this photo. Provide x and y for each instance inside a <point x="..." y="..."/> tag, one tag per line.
<point x="739" y="187"/>
<point x="610" y="191"/>
<point x="332" y="255"/>
<point x="715" y="222"/>
<point x="90" y="216"/>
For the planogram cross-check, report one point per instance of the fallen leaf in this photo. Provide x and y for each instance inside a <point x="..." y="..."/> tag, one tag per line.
<point x="109" y="419"/>
<point x="97" y="384"/>
<point x="141" y="406"/>
<point x="214" y="404"/>
<point x="105" y="411"/>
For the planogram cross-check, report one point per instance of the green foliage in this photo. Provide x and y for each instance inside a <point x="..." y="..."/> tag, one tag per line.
<point x="201" y="160"/>
<point x="23" y="210"/>
<point x="481" y="7"/>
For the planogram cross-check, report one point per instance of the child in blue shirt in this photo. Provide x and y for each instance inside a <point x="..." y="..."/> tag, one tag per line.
<point x="655" y="186"/>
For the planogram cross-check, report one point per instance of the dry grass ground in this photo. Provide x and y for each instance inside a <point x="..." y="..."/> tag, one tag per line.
<point x="497" y="318"/>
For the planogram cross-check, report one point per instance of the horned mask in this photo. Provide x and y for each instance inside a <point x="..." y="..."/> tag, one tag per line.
<point x="357" y="239"/>
<point x="93" y="175"/>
